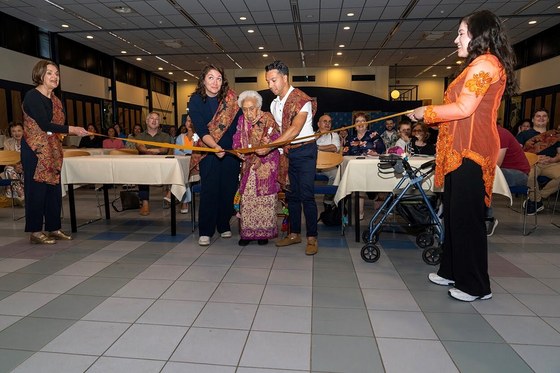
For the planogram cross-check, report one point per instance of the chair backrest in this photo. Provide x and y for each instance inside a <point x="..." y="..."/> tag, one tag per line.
<point x="8" y="157"/>
<point x="328" y="160"/>
<point x="532" y="158"/>
<point x="76" y="153"/>
<point x="123" y="151"/>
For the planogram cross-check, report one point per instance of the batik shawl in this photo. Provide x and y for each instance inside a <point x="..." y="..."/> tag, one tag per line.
<point x="542" y="141"/>
<point x="249" y="135"/>
<point x="292" y="107"/>
<point x="47" y="148"/>
<point x="223" y="118"/>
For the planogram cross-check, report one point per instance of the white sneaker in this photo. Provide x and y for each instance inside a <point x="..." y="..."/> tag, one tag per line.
<point x="204" y="240"/>
<point x="438" y="280"/>
<point x="461" y="295"/>
<point x="226" y="234"/>
<point x="491" y="226"/>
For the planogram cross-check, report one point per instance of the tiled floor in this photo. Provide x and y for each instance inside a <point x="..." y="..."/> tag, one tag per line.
<point x="125" y="296"/>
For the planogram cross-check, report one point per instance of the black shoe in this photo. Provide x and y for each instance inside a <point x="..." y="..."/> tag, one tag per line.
<point x="263" y="242"/>
<point x="534" y="207"/>
<point x="243" y="242"/>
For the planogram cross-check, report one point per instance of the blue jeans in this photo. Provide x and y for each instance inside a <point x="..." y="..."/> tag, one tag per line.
<point x="301" y="193"/>
<point x="515" y="177"/>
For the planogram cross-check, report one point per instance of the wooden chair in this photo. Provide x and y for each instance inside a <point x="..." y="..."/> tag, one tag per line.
<point x="326" y="160"/>
<point x="75" y="153"/>
<point x="123" y="151"/>
<point x="9" y="157"/>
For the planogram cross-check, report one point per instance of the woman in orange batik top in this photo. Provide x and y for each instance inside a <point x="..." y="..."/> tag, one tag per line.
<point x="467" y="150"/>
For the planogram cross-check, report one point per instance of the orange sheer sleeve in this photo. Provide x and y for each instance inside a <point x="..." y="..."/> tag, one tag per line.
<point x="479" y="75"/>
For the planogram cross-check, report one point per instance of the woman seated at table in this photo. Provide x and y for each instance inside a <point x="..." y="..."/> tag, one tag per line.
<point x="419" y="141"/>
<point x="181" y="140"/>
<point x="118" y="132"/>
<point x="14" y="172"/>
<point x="112" y="142"/>
<point x="91" y="141"/>
<point x="365" y="142"/>
<point x="136" y="130"/>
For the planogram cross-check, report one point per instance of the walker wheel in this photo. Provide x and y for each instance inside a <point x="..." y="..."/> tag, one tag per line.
<point x="424" y="240"/>
<point x="365" y="237"/>
<point x="432" y="255"/>
<point x="370" y="253"/>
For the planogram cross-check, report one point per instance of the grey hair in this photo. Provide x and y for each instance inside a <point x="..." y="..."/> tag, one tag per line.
<point x="250" y="94"/>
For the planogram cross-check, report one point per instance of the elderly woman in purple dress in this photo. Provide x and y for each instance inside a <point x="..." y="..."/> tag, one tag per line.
<point x="258" y="186"/>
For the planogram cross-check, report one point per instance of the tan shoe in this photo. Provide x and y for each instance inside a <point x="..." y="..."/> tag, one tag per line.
<point x="291" y="239"/>
<point x="145" y="209"/>
<point x="41" y="238"/>
<point x="60" y="235"/>
<point x="312" y="247"/>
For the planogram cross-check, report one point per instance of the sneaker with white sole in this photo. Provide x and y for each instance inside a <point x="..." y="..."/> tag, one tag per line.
<point x="226" y="234"/>
<point x="462" y="296"/>
<point x="204" y="240"/>
<point x="491" y="226"/>
<point x="438" y="280"/>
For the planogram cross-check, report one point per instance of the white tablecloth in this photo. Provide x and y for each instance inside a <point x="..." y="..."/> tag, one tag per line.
<point x="128" y="169"/>
<point x="91" y="151"/>
<point x="362" y="175"/>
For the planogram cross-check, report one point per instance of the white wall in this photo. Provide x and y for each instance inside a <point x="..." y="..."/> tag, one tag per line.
<point x="428" y="88"/>
<point x="16" y="67"/>
<point x="540" y="75"/>
<point x="81" y="82"/>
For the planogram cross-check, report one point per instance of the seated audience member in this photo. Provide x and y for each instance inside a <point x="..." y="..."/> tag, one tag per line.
<point x="522" y="125"/>
<point x="182" y="129"/>
<point x="329" y="142"/>
<point x="119" y="132"/>
<point x="152" y="133"/>
<point x="91" y="141"/>
<point x="173" y="133"/>
<point x="405" y="132"/>
<point x="112" y="142"/>
<point x="389" y="136"/>
<point x="136" y="130"/>
<point x="515" y="167"/>
<point x="14" y="172"/>
<point x="364" y="142"/>
<point x="192" y="137"/>
<point x="546" y="144"/>
<point x="420" y="143"/>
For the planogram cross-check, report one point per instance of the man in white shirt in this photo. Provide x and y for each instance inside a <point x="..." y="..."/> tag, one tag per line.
<point x="329" y="142"/>
<point x="293" y="110"/>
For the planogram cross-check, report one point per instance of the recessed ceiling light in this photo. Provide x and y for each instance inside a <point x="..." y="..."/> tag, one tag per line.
<point x="65" y="26"/>
<point x="123" y="52"/>
<point x="448" y="67"/>
<point x="532" y="22"/>
<point x="350" y="14"/>
<point x="138" y="58"/>
<point x="185" y="80"/>
<point x="250" y="31"/>
<point x="339" y="53"/>
<point x="265" y="55"/>
<point x="459" y="62"/>
<point x="122" y="9"/>
<point x="89" y="37"/>
<point x="347" y="27"/>
<point x="261" y="48"/>
<point x="170" y="73"/>
<point x="243" y="18"/>
<point x="341" y="46"/>
<point x="434" y="75"/>
<point x="160" y="68"/>
<point x="336" y="64"/>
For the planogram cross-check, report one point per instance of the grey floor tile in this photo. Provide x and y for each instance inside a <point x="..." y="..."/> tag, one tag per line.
<point x="13" y="264"/>
<point x="381" y="280"/>
<point x="115" y="309"/>
<point x="401" y="324"/>
<point x="201" y="345"/>
<point x="502" y="304"/>
<point x="226" y="316"/>
<point x="173" y="367"/>
<point x="171" y="312"/>
<point x="82" y="268"/>
<point x="485" y="357"/>
<point x="22" y="304"/>
<point x="440" y="301"/>
<point x="55" y="284"/>
<point x="524" y="330"/>
<point x="204" y="273"/>
<point x="191" y="290"/>
<point x="148" y="342"/>
<point x="238" y="293"/>
<point x="287" y="295"/>
<point x="55" y="363"/>
<point x="340" y="321"/>
<point x="99" y="286"/>
<point x="353" y="354"/>
<point x="253" y="261"/>
<point x="277" y="350"/>
<point x="6" y="321"/>
<point x="140" y="288"/>
<point x="293" y="262"/>
<point x="414" y="356"/>
<point x="123" y="270"/>
<point x="162" y="272"/>
<point x="540" y="358"/>
<point x="86" y="338"/>
<point x="541" y="305"/>
<point x="462" y="327"/>
<point x="397" y="300"/>
<point x="31" y="333"/>
<point x="72" y="307"/>
<point x="215" y="260"/>
<point x="524" y="285"/>
<point x="330" y="278"/>
<point x="283" y="319"/>
<point x="333" y="264"/>
<point x="337" y="297"/>
<point x="16" y="281"/>
<point x="120" y="365"/>
<point x="10" y="359"/>
<point x="290" y="277"/>
<point x="244" y="275"/>
<point x="266" y="370"/>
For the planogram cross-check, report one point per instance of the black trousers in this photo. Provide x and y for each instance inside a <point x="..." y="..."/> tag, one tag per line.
<point x="43" y="202"/>
<point x="219" y="180"/>
<point x="465" y="247"/>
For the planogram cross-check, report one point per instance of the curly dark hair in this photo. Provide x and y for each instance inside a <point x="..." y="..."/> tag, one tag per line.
<point x="488" y="35"/>
<point x="201" y="90"/>
<point x="278" y="65"/>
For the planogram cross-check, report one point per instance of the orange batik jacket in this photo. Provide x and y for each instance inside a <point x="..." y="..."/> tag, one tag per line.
<point x="468" y="120"/>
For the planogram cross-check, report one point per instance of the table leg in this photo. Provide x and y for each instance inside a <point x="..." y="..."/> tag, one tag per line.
<point x="72" y="203"/>
<point x="357" y="215"/>
<point x="106" y="200"/>
<point x="173" y="216"/>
